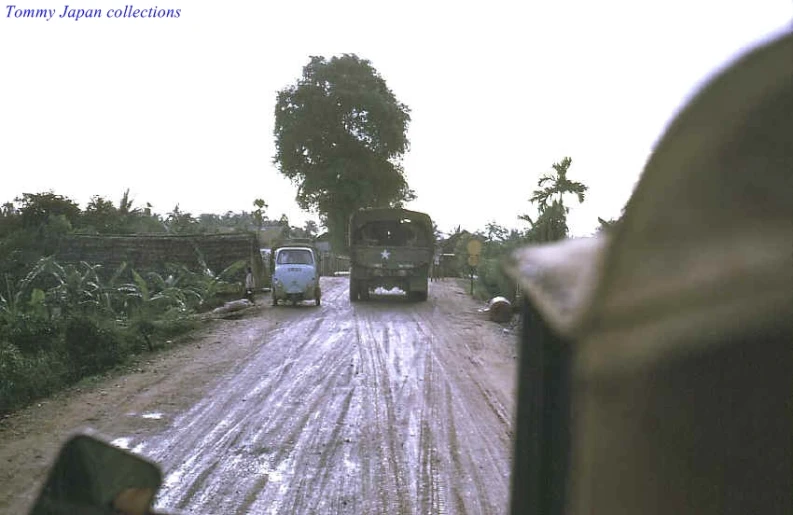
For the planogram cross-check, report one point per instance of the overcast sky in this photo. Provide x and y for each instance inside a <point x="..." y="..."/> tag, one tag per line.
<point x="181" y="110"/>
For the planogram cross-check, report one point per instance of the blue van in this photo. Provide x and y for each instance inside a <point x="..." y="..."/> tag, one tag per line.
<point x="295" y="274"/>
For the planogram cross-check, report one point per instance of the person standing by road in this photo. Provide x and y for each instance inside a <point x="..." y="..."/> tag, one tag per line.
<point x="436" y="267"/>
<point x="249" y="285"/>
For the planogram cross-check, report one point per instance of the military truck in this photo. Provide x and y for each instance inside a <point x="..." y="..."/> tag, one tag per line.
<point x="390" y="248"/>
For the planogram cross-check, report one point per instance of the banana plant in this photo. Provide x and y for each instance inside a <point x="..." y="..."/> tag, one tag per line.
<point x="210" y="285"/>
<point x="158" y="294"/>
<point x="22" y="295"/>
<point x="78" y="289"/>
<point x="146" y="301"/>
<point x="171" y="291"/>
<point x="112" y="295"/>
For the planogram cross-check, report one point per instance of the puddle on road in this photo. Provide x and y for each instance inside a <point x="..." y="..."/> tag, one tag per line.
<point x="274" y="475"/>
<point x="121" y="443"/>
<point x="125" y="443"/>
<point x="154" y="415"/>
<point x="351" y="466"/>
<point x="173" y="479"/>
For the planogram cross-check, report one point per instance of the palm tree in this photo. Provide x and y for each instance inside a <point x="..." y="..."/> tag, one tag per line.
<point x="551" y="224"/>
<point x="125" y="203"/>
<point x="559" y="186"/>
<point x="259" y="215"/>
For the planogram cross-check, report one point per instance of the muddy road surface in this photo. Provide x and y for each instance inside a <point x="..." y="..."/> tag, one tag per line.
<point x="386" y="406"/>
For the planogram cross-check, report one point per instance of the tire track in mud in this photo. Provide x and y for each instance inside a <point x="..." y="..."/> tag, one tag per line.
<point x="220" y="405"/>
<point x="270" y="391"/>
<point x="474" y="444"/>
<point x="364" y="408"/>
<point x="302" y="436"/>
<point x="383" y="415"/>
<point x="431" y="495"/>
<point x="450" y="440"/>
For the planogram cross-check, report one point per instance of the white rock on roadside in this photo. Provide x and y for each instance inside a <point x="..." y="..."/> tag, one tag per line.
<point x="234" y="305"/>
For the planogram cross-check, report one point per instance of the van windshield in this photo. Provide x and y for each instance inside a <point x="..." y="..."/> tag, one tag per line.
<point x="295" y="257"/>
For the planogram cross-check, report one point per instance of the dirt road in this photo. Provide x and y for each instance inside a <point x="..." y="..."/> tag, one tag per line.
<point x="385" y="406"/>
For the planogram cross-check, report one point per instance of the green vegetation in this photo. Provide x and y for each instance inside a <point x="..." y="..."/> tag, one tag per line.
<point x="550" y="224"/>
<point x="497" y="243"/>
<point x="340" y="134"/>
<point x="62" y="322"/>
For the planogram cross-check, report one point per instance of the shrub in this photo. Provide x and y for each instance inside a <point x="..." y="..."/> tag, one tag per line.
<point x="30" y="333"/>
<point x="25" y="378"/>
<point x="93" y="346"/>
<point x="60" y="324"/>
<point x="170" y="328"/>
<point x="492" y="280"/>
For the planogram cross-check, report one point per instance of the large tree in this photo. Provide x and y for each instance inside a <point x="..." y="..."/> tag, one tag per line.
<point x="340" y="134"/>
<point x="551" y="223"/>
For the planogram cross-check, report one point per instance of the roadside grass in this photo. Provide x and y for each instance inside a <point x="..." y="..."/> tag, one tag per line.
<point x="489" y="282"/>
<point x="90" y="352"/>
<point x="480" y="292"/>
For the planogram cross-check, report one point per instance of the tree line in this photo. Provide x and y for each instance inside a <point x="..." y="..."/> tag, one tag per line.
<point x="48" y="211"/>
